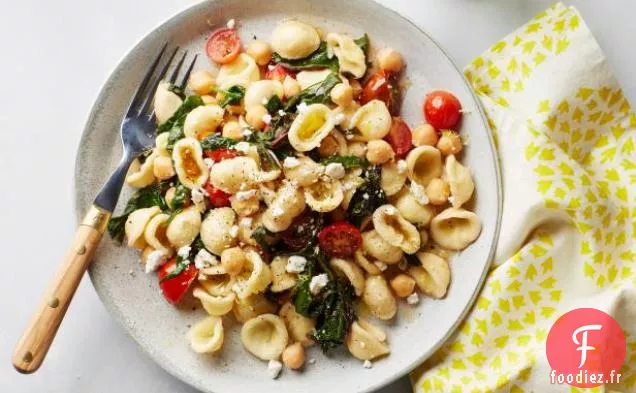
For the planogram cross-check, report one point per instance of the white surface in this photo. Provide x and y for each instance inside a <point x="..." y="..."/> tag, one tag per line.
<point x="56" y="56"/>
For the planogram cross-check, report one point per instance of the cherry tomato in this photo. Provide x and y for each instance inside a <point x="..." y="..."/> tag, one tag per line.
<point x="278" y="73"/>
<point x="218" y="198"/>
<point x="376" y="88"/>
<point x="442" y="110"/>
<point x="223" y="46"/>
<point x="219" y="155"/>
<point x="400" y="137"/>
<point x="176" y="287"/>
<point x="340" y="239"/>
<point x="302" y="230"/>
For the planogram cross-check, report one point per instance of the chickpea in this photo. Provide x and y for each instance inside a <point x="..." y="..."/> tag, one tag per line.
<point x="358" y="149"/>
<point x="356" y="88"/>
<point x="328" y="147"/>
<point x="291" y="87"/>
<point x="201" y="82"/>
<point x="254" y="116"/>
<point x="294" y="356"/>
<point x="389" y="59"/>
<point x="438" y="191"/>
<point x="162" y="167"/>
<point x="260" y="51"/>
<point x="379" y="151"/>
<point x="232" y="260"/>
<point x="209" y="100"/>
<point x="403" y="285"/>
<point x="424" y="135"/>
<point x="342" y="95"/>
<point x="245" y="207"/>
<point x="450" y="143"/>
<point x="232" y="130"/>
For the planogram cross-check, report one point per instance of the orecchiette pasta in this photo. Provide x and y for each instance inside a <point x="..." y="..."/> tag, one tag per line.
<point x="188" y="162"/>
<point x="254" y="278"/>
<point x="368" y="267"/>
<point x="242" y="72"/>
<point x="184" y="227"/>
<point x="203" y="121"/>
<point x="155" y="233"/>
<point x="215" y="230"/>
<point x="295" y="40"/>
<point x="460" y="181"/>
<point x="141" y="175"/>
<point x="251" y="307"/>
<point x="324" y="196"/>
<point x="216" y="305"/>
<point x="310" y="127"/>
<point x="265" y="336"/>
<point x="206" y="336"/>
<point x="232" y="174"/>
<point x="353" y="272"/>
<point x="392" y="178"/>
<point x="455" y="229"/>
<point x="378" y="297"/>
<point x="288" y="203"/>
<point x="136" y="225"/>
<point x="366" y="342"/>
<point x="395" y="230"/>
<point x="217" y="282"/>
<point x="350" y="56"/>
<point x="424" y="164"/>
<point x="433" y="276"/>
<point x="309" y="78"/>
<point x="260" y="92"/>
<point x="348" y="115"/>
<point x="302" y="170"/>
<point x="375" y="246"/>
<point x="281" y="279"/>
<point x="166" y="102"/>
<point x="299" y="326"/>
<point x="372" y="120"/>
<point x="411" y="209"/>
<point x="161" y="144"/>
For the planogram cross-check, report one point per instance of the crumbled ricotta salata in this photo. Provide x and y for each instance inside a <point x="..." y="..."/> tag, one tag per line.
<point x="246" y="132"/>
<point x="302" y="108"/>
<point x="267" y="118"/>
<point x="391" y="211"/>
<point x="274" y="368"/>
<point x="243" y="147"/>
<point x="317" y="283"/>
<point x="198" y="195"/>
<point x="380" y="265"/>
<point x="338" y="118"/>
<point x="184" y="251"/>
<point x="335" y="170"/>
<point x="419" y="193"/>
<point x="367" y="364"/>
<point x="204" y="259"/>
<point x="413" y="299"/>
<point x="234" y="230"/>
<point x="208" y="162"/>
<point x="155" y="259"/>
<point x="296" y="264"/>
<point x="281" y="112"/>
<point x="401" y="167"/>
<point x="291" y="162"/>
<point x="245" y="195"/>
<point x="231" y="23"/>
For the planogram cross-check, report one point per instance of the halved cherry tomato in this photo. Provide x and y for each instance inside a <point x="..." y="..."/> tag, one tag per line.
<point x="376" y="88"/>
<point x="223" y="46"/>
<point x="340" y="239"/>
<point x="278" y="73"/>
<point x="303" y="230"/>
<point x="218" y="198"/>
<point x="442" y="109"/>
<point x="219" y="155"/>
<point x="176" y="287"/>
<point x="400" y="137"/>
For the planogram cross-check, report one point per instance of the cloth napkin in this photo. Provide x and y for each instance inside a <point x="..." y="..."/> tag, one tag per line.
<point x="566" y="140"/>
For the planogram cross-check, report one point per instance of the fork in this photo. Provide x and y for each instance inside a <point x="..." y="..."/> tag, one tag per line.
<point x="138" y="131"/>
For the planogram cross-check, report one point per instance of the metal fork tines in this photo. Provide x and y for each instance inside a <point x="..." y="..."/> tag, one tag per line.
<point x="138" y="128"/>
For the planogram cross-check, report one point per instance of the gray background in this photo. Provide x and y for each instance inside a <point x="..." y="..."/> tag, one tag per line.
<point x="56" y="55"/>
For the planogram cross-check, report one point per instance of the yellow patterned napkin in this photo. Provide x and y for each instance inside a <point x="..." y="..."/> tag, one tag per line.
<point x="566" y="137"/>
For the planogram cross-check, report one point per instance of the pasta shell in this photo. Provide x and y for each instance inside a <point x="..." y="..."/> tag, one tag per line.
<point x="362" y="260"/>
<point x="251" y="307"/>
<point x="203" y="121"/>
<point x="305" y="172"/>
<point x="341" y="141"/>
<point x="375" y="246"/>
<point x="232" y="174"/>
<point x="265" y="336"/>
<point x="141" y="175"/>
<point x="255" y="277"/>
<point x="372" y="120"/>
<point x="184" y="227"/>
<point x="350" y="184"/>
<point x="136" y="225"/>
<point x="395" y="230"/>
<point x="242" y="72"/>
<point x="165" y="103"/>
<point x="161" y="144"/>
<point x="365" y="341"/>
<point x="424" y="164"/>
<point x="281" y="279"/>
<point x="460" y="181"/>
<point x="206" y="336"/>
<point x="155" y="233"/>
<point x="310" y="127"/>
<point x="353" y="272"/>
<point x="259" y="92"/>
<point x="324" y="196"/>
<point x="350" y="56"/>
<point x="188" y="162"/>
<point x="378" y="298"/>
<point x="295" y="40"/>
<point x="217" y="283"/>
<point x="348" y="114"/>
<point x="215" y="230"/>
<point x="287" y="205"/>
<point x="455" y="229"/>
<point x="298" y="326"/>
<point x="214" y="305"/>
<point x="309" y="78"/>
<point x="433" y="277"/>
<point x="391" y="178"/>
<point x="410" y="208"/>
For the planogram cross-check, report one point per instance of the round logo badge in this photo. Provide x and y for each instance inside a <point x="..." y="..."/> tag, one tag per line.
<point x="585" y="348"/>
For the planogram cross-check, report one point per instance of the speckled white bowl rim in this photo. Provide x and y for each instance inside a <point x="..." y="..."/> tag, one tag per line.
<point x="84" y="196"/>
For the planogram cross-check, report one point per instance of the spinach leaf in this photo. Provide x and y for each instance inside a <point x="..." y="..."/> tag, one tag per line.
<point x="143" y="198"/>
<point x="263" y="141"/>
<point x="319" y="59"/>
<point x="216" y="141"/>
<point x="182" y="263"/>
<point x="363" y="43"/>
<point x="177" y="90"/>
<point x="178" y="117"/>
<point x="265" y="239"/>
<point x="274" y="104"/>
<point x="232" y="96"/>
<point x="314" y="94"/>
<point x="348" y="162"/>
<point x="368" y="197"/>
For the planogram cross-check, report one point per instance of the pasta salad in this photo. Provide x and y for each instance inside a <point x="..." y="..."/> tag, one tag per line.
<point x="285" y="191"/>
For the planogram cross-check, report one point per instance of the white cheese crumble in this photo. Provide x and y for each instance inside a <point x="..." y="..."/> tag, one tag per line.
<point x="208" y="162"/>
<point x="245" y="195"/>
<point x="281" y="112"/>
<point x="401" y="167"/>
<point x="204" y="259"/>
<point x="231" y="24"/>
<point x="302" y="107"/>
<point x="267" y="118"/>
<point x="451" y="199"/>
<point x="335" y="170"/>
<point x="318" y="283"/>
<point x="380" y="265"/>
<point x="246" y="132"/>
<point x="391" y="211"/>
<point x="367" y="364"/>
<point x="349" y="137"/>
<point x="413" y="299"/>
<point x="274" y="368"/>
<point x="419" y="193"/>
<point x="246" y="222"/>
<point x="184" y="252"/>
<point x="365" y="196"/>
<point x="296" y="264"/>
<point x="234" y="230"/>
<point x="291" y="162"/>
<point x="312" y="361"/>
<point x="198" y="195"/>
<point x="277" y="211"/>
<point x="155" y="259"/>
<point x="338" y="118"/>
<point x="271" y="67"/>
<point x="243" y="147"/>
<point x="264" y="101"/>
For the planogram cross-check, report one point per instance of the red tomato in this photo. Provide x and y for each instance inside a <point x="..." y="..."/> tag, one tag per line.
<point x="340" y="239"/>
<point x="218" y="198"/>
<point x="400" y="137"/>
<point x="376" y="88"/>
<point x="278" y="73"/>
<point x="219" y="155"/>
<point x="176" y="287"/>
<point x="442" y="110"/>
<point x="223" y="46"/>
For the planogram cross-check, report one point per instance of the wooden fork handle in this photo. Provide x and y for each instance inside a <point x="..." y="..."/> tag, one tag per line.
<point x="34" y="344"/>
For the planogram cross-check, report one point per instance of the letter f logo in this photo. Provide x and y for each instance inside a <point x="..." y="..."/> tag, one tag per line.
<point x="584" y="347"/>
